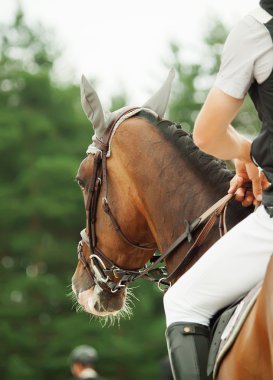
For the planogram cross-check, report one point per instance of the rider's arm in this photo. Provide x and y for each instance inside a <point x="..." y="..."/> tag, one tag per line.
<point x="214" y="135"/>
<point x="246" y="58"/>
<point x="212" y="131"/>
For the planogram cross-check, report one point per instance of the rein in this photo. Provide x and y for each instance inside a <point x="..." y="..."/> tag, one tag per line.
<point x="103" y="271"/>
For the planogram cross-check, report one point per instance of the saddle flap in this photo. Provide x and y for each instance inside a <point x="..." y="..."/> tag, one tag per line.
<point x="228" y="328"/>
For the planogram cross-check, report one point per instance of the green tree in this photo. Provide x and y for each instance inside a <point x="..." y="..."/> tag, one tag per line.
<point x="195" y="80"/>
<point x="43" y="135"/>
<point x="40" y="151"/>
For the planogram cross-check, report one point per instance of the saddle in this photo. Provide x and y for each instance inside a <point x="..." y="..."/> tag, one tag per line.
<point x="225" y="327"/>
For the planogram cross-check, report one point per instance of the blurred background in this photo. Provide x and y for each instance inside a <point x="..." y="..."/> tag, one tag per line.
<point x="43" y="138"/>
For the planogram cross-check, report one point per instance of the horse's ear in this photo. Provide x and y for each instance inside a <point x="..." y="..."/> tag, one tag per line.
<point x="159" y="101"/>
<point x="92" y="107"/>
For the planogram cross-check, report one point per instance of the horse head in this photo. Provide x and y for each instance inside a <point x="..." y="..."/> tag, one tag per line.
<point x="117" y="240"/>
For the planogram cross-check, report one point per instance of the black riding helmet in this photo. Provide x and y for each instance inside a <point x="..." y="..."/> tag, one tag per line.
<point x="267" y="5"/>
<point x="84" y="354"/>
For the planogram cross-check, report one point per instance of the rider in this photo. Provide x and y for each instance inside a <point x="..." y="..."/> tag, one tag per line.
<point x="236" y="262"/>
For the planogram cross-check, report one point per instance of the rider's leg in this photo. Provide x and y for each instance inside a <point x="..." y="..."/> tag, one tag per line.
<point x="188" y="347"/>
<point x="229" y="269"/>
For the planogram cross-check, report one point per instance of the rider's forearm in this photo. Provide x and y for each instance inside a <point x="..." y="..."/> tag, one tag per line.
<point x="225" y="144"/>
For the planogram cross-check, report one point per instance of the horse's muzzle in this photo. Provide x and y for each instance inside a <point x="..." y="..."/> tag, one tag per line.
<point x="100" y="302"/>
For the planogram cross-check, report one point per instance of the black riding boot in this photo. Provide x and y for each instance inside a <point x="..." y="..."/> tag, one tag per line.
<point x="188" y="347"/>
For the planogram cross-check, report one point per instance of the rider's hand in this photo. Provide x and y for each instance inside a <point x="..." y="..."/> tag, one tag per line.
<point x="247" y="174"/>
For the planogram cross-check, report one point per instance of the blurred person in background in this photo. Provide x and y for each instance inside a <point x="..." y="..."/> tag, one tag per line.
<point x="82" y="363"/>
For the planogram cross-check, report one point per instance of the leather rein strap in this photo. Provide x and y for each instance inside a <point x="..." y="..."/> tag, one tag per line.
<point x="218" y="210"/>
<point x="103" y="271"/>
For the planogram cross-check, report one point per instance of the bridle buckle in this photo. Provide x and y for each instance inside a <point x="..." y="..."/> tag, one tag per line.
<point x="160" y="285"/>
<point x="99" y="269"/>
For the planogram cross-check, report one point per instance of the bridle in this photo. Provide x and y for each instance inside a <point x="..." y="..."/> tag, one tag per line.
<point x="104" y="272"/>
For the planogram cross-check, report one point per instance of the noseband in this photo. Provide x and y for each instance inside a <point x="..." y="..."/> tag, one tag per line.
<point x="103" y="271"/>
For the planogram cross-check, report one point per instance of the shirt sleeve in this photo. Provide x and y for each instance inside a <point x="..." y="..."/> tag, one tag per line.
<point x="237" y="63"/>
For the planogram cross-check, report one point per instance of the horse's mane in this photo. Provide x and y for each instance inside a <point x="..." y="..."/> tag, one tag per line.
<point x="211" y="170"/>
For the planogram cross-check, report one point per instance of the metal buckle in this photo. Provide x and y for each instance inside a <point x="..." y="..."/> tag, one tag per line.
<point x="160" y="285"/>
<point x="115" y="270"/>
<point x="100" y="276"/>
<point x="118" y="287"/>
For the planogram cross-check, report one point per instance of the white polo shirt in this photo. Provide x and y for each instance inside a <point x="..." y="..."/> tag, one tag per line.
<point x="247" y="55"/>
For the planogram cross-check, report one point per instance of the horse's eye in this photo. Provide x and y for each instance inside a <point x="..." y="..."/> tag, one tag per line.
<point x="80" y="183"/>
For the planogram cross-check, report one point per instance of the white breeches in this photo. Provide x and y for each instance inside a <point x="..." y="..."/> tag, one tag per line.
<point x="231" y="267"/>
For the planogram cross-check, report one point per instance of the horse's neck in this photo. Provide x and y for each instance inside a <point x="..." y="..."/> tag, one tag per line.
<point x="175" y="197"/>
<point x="169" y="191"/>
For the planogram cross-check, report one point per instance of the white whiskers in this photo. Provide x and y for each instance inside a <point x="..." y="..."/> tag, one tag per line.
<point x="113" y="318"/>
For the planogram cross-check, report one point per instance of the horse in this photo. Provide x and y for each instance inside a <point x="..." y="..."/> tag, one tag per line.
<point x="251" y="356"/>
<point x="147" y="187"/>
